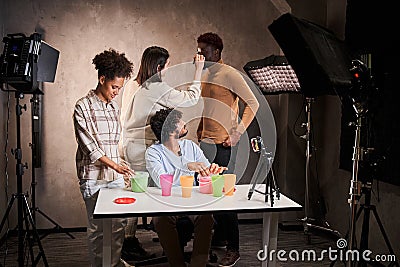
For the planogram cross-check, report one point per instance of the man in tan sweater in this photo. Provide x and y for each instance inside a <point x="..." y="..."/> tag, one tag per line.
<point x="220" y="128"/>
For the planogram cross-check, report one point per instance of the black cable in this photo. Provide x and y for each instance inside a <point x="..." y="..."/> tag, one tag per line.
<point x="5" y="169"/>
<point x="6" y="147"/>
<point x="298" y="117"/>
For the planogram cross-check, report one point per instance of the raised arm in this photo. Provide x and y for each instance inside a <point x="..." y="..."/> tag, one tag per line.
<point x="191" y="95"/>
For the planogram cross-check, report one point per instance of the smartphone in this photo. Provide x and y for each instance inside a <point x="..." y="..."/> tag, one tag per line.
<point x="198" y="52"/>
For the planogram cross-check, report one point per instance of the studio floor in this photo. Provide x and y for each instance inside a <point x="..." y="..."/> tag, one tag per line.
<point x="63" y="251"/>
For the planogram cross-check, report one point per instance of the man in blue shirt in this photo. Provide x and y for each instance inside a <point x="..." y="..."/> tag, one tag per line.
<point x="173" y="155"/>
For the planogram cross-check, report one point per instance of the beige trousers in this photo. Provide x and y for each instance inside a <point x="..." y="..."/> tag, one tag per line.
<point x="95" y="236"/>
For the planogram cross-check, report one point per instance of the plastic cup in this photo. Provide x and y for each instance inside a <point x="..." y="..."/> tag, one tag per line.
<point x="166" y="181"/>
<point x="229" y="183"/>
<point x="217" y="185"/>
<point x="139" y="181"/>
<point x="187" y="185"/>
<point x="205" y="185"/>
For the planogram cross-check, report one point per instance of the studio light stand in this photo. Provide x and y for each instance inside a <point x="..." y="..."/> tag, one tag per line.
<point x="28" y="235"/>
<point x="274" y="75"/>
<point x="307" y="220"/>
<point x="25" y="62"/>
<point x="262" y="170"/>
<point x="364" y="185"/>
<point x="359" y="187"/>
<point x="36" y="163"/>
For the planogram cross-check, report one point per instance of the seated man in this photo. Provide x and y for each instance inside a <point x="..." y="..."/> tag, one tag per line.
<point x="178" y="157"/>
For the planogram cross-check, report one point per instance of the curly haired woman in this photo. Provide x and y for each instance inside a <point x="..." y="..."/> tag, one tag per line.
<point x="97" y="132"/>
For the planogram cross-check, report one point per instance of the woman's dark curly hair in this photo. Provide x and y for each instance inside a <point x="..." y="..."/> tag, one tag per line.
<point x="164" y="122"/>
<point x="152" y="57"/>
<point x="211" y="39"/>
<point x="112" y="64"/>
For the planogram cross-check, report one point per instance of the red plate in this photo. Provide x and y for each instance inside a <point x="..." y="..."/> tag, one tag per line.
<point x="124" y="200"/>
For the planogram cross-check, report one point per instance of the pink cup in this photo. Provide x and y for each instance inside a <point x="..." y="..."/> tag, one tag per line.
<point x="166" y="184"/>
<point x="205" y="185"/>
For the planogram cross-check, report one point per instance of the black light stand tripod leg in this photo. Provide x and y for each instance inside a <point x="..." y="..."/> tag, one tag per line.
<point x="24" y="234"/>
<point x="3" y="221"/>
<point x="35" y="235"/>
<point x="29" y="241"/>
<point x="57" y="227"/>
<point x="367" y="207"/>
<point x="385" y="237"/>
<point x="359" y="212"/>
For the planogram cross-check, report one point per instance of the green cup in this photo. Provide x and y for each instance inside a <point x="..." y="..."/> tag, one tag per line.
<point x="218" y="182"/>
<point x="139" y="181"/>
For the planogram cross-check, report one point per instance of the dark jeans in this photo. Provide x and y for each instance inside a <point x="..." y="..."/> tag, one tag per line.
<point x="166" y="227"/>
<point x="226" y="225"/>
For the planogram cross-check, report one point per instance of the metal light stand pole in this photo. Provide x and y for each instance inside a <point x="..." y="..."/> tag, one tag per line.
<point x="308" y="156"/>
<point x="306" y="220"/>
<point x="24" y="212"/>
<point x="355" y="185"/>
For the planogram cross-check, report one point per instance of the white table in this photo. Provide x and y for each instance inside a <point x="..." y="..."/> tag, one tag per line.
<point x="152" y="204"/>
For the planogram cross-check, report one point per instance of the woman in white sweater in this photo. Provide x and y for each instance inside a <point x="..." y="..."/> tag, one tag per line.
<point x="141" y="99"/>
<point x="150" y="95"/>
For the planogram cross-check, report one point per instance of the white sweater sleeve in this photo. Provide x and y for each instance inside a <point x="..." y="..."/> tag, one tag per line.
<point x="184" y="98"/>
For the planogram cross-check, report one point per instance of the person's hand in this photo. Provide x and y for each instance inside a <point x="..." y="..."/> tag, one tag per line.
<point x="127" y="172"/>
<point x="124" y="168"/>
<point x="216" y="169"/>
<point x="199" y="61"/>
<point x="233" y="139"/>
<point x="199" y="167"/>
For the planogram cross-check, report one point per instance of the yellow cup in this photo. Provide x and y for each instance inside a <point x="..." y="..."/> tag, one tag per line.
<point x="187" y="185"/>
<point x="229" y="183"/>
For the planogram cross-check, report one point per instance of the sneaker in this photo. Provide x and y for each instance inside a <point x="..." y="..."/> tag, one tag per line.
<point x="218" y="244"/>
<point x="132" y="250"/>
<point x="125" y="264"/>
<point x="230" y="258"/>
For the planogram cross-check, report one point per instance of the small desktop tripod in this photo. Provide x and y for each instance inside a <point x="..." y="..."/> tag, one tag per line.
<point x="271" y="187"/>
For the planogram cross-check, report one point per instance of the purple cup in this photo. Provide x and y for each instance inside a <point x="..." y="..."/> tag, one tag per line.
<point x="166" y="184"/>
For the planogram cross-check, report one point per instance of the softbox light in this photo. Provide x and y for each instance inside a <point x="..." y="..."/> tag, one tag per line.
<point x="273" y="75"/>
<point x="322" y="62"/>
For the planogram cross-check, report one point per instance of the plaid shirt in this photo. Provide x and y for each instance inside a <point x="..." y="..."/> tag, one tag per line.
<point x="97" y="131"/>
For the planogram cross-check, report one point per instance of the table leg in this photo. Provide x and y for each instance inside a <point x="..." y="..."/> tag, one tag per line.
<point x="270" y="238"/>
<point x="107" y="230"/>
